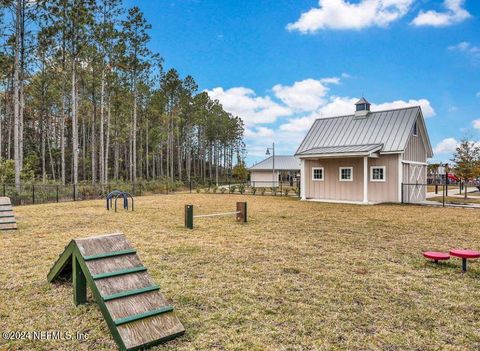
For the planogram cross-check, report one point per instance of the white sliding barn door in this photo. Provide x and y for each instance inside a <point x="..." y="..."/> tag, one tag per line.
<point x="414" y="179"/>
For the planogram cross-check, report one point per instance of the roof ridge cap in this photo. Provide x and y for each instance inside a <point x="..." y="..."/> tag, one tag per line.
<point x="380" y="111"/>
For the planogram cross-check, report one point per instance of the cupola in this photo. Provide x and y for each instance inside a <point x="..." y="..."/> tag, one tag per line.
<point x="362" y="108"/>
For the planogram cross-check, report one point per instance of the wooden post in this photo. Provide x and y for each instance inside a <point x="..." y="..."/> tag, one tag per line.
<point x="189" y="216"/>
<point x="242" y="209"/>
<point x="79" y="283"/>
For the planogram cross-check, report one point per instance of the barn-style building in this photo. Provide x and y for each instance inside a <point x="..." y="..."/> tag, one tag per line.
<point x="366" y="157"/>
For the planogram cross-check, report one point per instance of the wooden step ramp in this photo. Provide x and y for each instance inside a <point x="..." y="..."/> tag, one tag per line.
<point x="135" y="310"/>
<point x="7" y="217"/>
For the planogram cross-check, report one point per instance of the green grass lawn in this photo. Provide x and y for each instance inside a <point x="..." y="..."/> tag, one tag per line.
<point x="297" y="276"/>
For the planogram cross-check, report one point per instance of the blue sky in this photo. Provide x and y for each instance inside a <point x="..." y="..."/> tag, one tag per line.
<point x="281" y="64"/>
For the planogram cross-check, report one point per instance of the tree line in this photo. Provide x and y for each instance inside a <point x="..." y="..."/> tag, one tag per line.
<point x="83" y="98"/>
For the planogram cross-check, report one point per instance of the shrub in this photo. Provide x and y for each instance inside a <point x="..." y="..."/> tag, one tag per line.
<point x="254" y="190"/>
<point x="274" y="190"/>
<point x="241" y="189"/>
<point x="223" y="190"/>
<point x="215" y="189"/>
<point x="207" y="190"/>
<point x="232" y="189"/>
<point x="198" y="190"/>
<point x="262" y="191"/>
<point x="286" y="191"/>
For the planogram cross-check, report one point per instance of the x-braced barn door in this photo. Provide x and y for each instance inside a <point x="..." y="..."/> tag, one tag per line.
<point x="415" y="176"/>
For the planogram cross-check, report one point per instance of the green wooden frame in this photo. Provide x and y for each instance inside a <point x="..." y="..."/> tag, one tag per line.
<point x="143" y="315"/>
<point x="130" y="293"/>
<point x="120" y="272"/>
<point x="189" y="216"/>
<point x="82" y="278"/>
<point x="110" y="254"/>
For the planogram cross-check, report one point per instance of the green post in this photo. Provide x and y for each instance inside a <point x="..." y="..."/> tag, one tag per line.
<point x="79" y="283"/>
<point x="189" y="216"/>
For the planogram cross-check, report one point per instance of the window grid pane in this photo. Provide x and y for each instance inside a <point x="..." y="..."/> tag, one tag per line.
<point x="317" y="173"/>
<point x="378" y="174"/>
<point x="346" y="173"/>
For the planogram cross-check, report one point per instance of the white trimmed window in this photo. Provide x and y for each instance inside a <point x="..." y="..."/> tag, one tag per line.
<point x="378" y="174"/>
<point x="345" y="174"/>
<point x="317" y="173"/>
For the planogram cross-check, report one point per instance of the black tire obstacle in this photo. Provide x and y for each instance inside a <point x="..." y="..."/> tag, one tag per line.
<point x="240" y="214"/>
<point x="115" y="194"/>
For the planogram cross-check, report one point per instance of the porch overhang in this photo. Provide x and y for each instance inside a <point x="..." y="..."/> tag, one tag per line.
<point x="366" y="150"/>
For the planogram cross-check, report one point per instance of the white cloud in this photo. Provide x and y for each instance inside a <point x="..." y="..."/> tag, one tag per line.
<point x="454" y="13"/>
<point x="427" y="108"/>
<point x="342" y="14"/>
<point x="306" y="95"/>
<point x="477" y="94"/>
<point x="446" y="146"/>
<point x="244" y="103"/>
<point x="468" y="49"/>
<point x="452" y="109"/>
<point x="476" y="124"/>
<point x="259" y="132"/>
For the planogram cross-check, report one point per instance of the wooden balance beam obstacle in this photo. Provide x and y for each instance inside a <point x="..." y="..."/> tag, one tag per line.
<point x="136" y="312"/>
<point x="240" y="214"/>
<point x="7" y="217"/>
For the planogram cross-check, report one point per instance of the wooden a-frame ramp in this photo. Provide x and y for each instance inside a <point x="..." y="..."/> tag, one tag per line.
<point x="136" y="312"/>
<point x="7" y="218"/>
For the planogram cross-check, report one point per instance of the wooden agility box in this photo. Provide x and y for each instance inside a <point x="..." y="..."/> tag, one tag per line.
<point x="7" y="217"/>
<point x="137" y="313"/>
<point x="240" y="214"/>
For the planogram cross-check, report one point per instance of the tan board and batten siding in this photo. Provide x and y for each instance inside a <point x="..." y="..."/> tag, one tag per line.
<point x="331" y="188"/>
<point x="7" y="217"/>
<point x="415" y="150"/>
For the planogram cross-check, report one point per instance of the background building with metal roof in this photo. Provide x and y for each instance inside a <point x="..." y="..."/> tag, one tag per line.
<point x="266" y="174"/>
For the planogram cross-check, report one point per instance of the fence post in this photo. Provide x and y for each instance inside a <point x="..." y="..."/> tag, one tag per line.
<point x="133" y="189"/>
<point x="443" y="196"/>
<point x="4" y="190"/>
<point x="33" y="194"/>
<point x="74" y="193"/>
<point x="436" y="189"/>
<point x="190" y="186"/>
<point x="57" y="193"/>
<point x="281" y="187"/>
<point x="401" y="193"/>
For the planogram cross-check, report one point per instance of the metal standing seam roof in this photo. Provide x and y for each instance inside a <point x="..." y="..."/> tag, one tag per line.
<point x="282" y="163"/>
<point x="390" y="128"/>
<point x="356" y="149"/>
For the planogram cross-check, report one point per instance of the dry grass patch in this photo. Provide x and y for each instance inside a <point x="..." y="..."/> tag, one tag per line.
<point x="297" y="276"/>
<point x="456" y="200"/>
